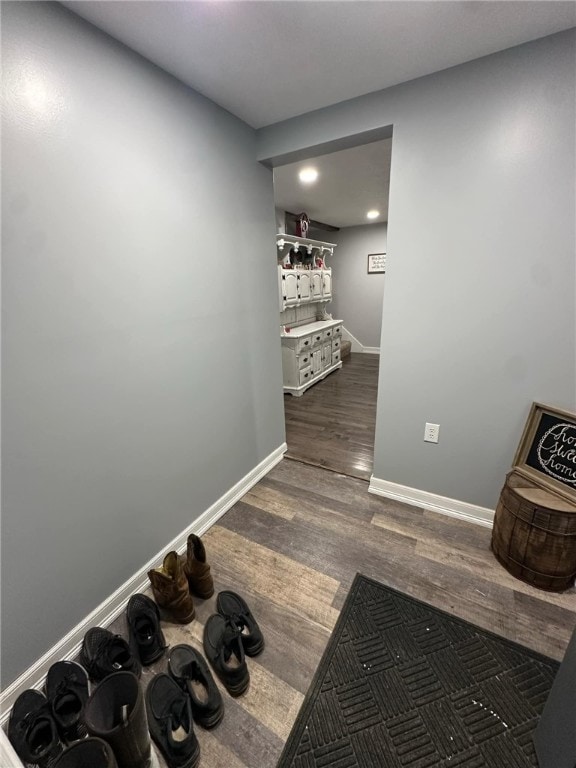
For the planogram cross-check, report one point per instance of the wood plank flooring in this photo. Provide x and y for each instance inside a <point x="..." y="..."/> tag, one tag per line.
<point x="292" y="545"/>
<point x="332" y="424"/>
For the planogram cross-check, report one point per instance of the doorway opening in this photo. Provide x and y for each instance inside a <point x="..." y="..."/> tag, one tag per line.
<point x="331" y="384"/>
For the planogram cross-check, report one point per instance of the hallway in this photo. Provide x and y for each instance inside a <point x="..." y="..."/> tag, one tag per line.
<point x="333" y="424"/>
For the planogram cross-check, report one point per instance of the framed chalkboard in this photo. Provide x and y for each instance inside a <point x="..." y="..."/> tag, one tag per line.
<point x="547" y="450"/>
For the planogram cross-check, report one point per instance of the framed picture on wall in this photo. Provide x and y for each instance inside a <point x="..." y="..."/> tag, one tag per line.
<point x="547" y="450"/>
<point x="376" y="263"/>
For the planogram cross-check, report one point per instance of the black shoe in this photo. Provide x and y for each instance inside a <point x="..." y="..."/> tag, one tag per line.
<point x="188" y="668"/>
<point x="32" y="730"/>
<point x="234" y="607"/>
<point x="224" y="650"/>
<point x="170" y="722"/>
<point x="88" y="753"/>
<point x="145" y="635"/>
<point x="67" y="692"/>
<point x="104" y="653"/>
<point x="116" y="712"/>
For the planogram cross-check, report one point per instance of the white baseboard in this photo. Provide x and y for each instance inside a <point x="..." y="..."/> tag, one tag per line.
<point x="357" y="346"/>
<point x="8" y="758"/>
<point x="69" y="646"/>
<point x="432" y="501"/>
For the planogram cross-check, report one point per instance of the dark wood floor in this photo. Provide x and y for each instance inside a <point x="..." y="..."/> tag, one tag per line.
<point x="332" y="424"/>
<point x="292" y="546"/>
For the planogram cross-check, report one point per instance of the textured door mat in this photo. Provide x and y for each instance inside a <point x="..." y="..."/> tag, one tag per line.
<point x="404" y="685"/>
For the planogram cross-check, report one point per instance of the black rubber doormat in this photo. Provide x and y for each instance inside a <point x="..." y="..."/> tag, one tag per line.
<point x="405" y="685"/>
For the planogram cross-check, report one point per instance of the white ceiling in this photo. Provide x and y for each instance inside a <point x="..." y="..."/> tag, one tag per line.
<point x="349" y="184"/>
<point x="268" y="61"/>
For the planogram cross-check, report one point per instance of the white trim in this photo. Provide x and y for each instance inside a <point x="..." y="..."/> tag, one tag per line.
<point x="357" y="346"/>
<point x="432" y="501"/>
<point x="69" y="646"/>
<point x="8" y="758"/>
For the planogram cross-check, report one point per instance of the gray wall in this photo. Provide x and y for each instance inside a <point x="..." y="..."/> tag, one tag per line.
<point x="479" y="305"/>
<point x="358" y="295"/>
<point x="141" y="363"/>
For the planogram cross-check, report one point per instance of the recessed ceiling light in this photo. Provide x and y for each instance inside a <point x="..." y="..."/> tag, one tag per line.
<point x="373" y="214"/>
<point x="308" y="175"/>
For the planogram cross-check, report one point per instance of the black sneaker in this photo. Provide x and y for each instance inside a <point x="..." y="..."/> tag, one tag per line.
<point x="169" y="714"/>
<point x="144" y="633"/>
<point x="32" y="730"/>
<point x="224" y="650"/>
<point x="104" y="653"/>
<point x="188" y="668"/>
<point x="235" y="608"/>
<point x="67" y="692"/>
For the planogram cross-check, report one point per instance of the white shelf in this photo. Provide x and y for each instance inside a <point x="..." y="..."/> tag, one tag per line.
<point x="296" y="242"/>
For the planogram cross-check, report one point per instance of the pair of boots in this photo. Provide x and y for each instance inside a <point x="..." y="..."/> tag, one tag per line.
<point x="178" y="576"/>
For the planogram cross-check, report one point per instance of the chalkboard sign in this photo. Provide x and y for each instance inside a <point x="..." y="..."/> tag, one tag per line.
<point x="547" y="450"/>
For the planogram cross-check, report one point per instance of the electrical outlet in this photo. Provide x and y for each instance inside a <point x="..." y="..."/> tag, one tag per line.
<point x="431" y="432"/>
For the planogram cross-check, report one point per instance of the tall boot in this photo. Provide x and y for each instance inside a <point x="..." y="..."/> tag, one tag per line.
<point x="170" y="589"/>
<point x="196" y="568"/>
<point x="92" y="753"/>
<point x="116" y="713"/>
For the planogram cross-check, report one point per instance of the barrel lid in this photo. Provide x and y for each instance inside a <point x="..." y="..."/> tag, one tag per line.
<point x="543" y="498"/>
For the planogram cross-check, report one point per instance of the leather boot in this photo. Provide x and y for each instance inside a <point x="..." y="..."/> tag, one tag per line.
<point x="196" y="568"/>
<point x="116" y="712"/>
<point x="170" y="589"/>
<point x="88" y="752"/>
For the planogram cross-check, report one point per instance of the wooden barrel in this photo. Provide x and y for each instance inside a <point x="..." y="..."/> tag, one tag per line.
<point x="534" y="535"/>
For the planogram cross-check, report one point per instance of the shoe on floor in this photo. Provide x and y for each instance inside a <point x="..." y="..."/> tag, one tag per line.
<point x="169" y="714"/>
<point x="116" y="712"/>
<point x="103" y="653"/>
<point x="196" y="569"/>
<point x="189" y="669"/>
<point x="88" y="753"/>
<point x="234" y="607"/>
<point x="32" y="730"/>
<point x="170" y="589"/>
<point x="67" y="692"/>
<point x="144" y="633"/>
<point x="224" y="650"/>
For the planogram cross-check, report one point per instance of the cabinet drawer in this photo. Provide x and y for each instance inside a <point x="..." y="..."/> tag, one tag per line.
<point x="305" y="375"/>
<point x="337" y="330"/>
<point x="317" y="338"/>
<point x="335" y="345"/>
<point x="328" y="333"/>
<point x="303" y="344"/>
<point x="335" y="357"/>
<point x="304" y="359"/>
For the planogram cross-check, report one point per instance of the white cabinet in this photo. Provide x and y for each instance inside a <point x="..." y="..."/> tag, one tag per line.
<point x="316" y="285"/>
<point x="310" y="350"/>
<point x="316" y="361"/>
<point x="288" y="288"/>
<point x="326" y="284"/>
<point x="303" y="286"/>
<point x="309" y="353"/>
